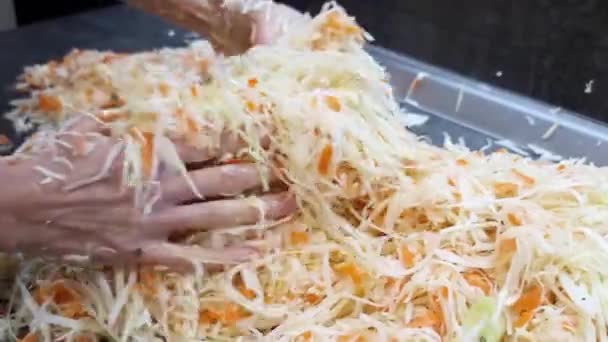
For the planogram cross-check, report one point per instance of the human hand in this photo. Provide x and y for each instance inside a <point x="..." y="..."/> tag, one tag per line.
<point x="58" y="203"/>
<point x="231" y="25"/>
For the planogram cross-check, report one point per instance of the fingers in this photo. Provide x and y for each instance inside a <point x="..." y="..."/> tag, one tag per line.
<point x="228" y="143"/>
<point x="224" y="180"/>
<point x="182" y="257"/>
<point x="222" y="214"/>
<point x="85" y="124"/>
<point x="270" y="22"/>
<point x="179" y="258"/>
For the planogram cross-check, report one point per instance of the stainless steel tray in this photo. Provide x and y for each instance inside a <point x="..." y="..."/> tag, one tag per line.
<point x="480" y="113"/>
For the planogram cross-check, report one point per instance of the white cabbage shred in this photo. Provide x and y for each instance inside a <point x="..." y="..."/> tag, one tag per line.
<point x="394" y="239"/>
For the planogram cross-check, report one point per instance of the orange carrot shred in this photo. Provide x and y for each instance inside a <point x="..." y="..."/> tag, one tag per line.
<point x="306" y="336"/>
<point x="312" y="298"/>
<point x="333" y="103"/>
<point x="229" y="314"/>
<point x="192" y="125"/>
<point x="251" y="107"/>
<point x="30" y="337"/>
<point x="164" y="89"/>
<point x="529" y="300"/>
<point x="507" y="245"/>
<point x="476" y="279"/>
<point x="428" y="319"/>
<point x="407" y="257"/>
<point x="461" y="162"/>
<point x="247" y="292"/>
<point x="66" y="299"/>
<point x="523" y="318"/>
<point x="83" y="338"/>
<point x="503" y="190"/>
<point x="147" y="153"/>
<point x="527" y="179"/>
<point x="48" y="103"/>
<point x="444" y="292"/>
<point x="297" y="237"/>
<point x="526" y="304"/>
<point x="325" y="160"/>
<point x="252" y="82"/>
<point x="350" y="270"/>
<point x="351" y="338"/>
<point x="561" y="167"/>
<point x="513" y="219"/>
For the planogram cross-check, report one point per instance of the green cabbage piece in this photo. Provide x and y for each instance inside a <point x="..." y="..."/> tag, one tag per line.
<point x="482" y="312"/>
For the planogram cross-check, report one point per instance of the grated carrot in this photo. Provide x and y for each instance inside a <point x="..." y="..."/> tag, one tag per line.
<point x="298" y="238"/>
<point x="84" y="338"/>
<point x="351" y="338"/>
<point x="350" y="270"/>
<point x="461" y="162"/>
<point x="247" y="292"/>
<point x="251" y="107"/>
<point x="244" y="290"/>
<point x="252" y="82"/>
<point x="507" y="246"/>
<point x="312" y="298"/>
<point x="333" y="103"/>
<point x="443" y="292"/>
<point x="513" y="219"/>
<point x="306" y="336"/>
<point x="526" y="179"/>
<point x="526" y="304"/>
<point x="163" y="88"/>
<point x="429" y="319"/>
<point x="192" y="125"/>
<point x="325" y="160"/>
<point x="529" y="300"/>
<point x="476" y="279"/>
<point x="147" y="154"/>
<point x="504" y="190"/>
<point x="229" y="314"/>
<point x="30" y="337"/>
<point x="407" y="257"/>
<point x="334" y="25"/>
<point x="67" y="300"/>
<point x="451" y="181"/>
<point x="49" y="103"/>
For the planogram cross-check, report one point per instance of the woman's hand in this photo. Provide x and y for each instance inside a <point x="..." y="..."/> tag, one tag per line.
<point x="59" y="204"/>
<point x="232" y="26"/>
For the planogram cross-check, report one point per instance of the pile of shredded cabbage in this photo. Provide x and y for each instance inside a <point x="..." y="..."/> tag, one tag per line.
<point x="395" y="239"/>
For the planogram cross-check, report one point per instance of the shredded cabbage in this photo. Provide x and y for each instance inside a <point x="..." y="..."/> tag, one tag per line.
<point x="394" y="240"/>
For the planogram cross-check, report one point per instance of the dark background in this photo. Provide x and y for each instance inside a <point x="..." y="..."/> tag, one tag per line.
<point x="545" y="49"/>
